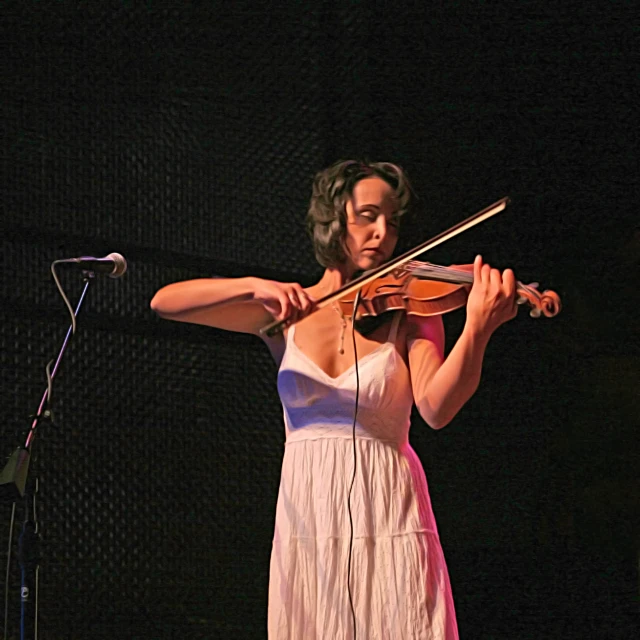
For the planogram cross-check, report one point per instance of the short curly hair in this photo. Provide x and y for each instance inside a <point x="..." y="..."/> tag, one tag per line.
<point x="332" y="188"/>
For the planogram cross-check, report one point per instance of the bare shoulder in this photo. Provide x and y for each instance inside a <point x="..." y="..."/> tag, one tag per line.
<point x="426" y="328"/>
<point x="278" y="342"/>
<point x="276" y="345"/>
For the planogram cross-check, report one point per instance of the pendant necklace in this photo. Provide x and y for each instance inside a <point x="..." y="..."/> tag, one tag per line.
<point x="344" y="326"/>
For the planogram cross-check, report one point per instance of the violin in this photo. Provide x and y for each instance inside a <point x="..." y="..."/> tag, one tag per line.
<point x="425" y="289"/>
<point x="422" y="288"/>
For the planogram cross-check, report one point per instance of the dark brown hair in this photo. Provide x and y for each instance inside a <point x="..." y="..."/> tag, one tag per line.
<point x="332" y="188"/>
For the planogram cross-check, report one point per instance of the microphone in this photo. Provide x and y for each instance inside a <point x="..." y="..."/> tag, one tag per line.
<point x="114" y="265"/>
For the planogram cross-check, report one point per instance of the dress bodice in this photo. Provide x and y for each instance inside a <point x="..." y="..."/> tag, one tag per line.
<point x="317" y="405"/>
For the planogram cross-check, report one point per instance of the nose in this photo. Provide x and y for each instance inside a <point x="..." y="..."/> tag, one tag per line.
<point x="381" y="227"/>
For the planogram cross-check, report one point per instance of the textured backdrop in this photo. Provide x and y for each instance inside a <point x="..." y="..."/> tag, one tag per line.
<point x="186" y="136"/>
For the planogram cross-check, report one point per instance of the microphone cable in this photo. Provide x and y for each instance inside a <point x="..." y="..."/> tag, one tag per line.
<point x="356" y="302"/>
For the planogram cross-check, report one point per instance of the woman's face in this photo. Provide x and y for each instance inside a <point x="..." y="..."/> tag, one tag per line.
<point x="372" y="223"/>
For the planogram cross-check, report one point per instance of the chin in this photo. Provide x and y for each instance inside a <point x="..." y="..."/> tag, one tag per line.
<point x="370" y="262"/>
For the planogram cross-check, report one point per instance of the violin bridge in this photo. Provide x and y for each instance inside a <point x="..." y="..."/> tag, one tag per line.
<point x="400" y="272"/>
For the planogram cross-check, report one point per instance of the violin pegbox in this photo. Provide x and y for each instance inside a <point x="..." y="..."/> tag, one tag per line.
<point x="546" y="303"/>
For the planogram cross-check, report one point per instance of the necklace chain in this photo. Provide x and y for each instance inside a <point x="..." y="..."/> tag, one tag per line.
<point x="344" y="327"/>
<point x="343" y="321"/>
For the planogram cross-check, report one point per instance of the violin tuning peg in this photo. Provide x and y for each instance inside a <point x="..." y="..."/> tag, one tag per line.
<point x="535" y="312"/>
<point x="521" y="300"/>
<point x="534" y="285"/>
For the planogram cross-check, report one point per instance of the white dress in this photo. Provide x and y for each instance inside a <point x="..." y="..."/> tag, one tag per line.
<point x="399" y="580"/>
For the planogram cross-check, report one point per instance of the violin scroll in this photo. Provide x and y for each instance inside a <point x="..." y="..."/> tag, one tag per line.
<point x="546" y="303"/>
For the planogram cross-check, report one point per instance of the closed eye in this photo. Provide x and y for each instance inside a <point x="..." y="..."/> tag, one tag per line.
<point x="370" y="216"/>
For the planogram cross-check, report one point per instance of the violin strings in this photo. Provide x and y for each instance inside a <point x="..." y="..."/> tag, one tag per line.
<point x="449" y="274"/>
<point x="526" y="292"/>
<point x="436" y="272"/>
<point x="427" y="267"/>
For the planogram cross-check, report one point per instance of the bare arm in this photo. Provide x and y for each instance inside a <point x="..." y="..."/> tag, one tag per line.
<point x="442" y="387"/>
<point x="225" y="303"/>
<point x="234" y="304"/>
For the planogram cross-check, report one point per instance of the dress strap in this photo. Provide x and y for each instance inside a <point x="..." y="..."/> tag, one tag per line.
<point x="395" y="323"/>
<point x="290" y="332"/>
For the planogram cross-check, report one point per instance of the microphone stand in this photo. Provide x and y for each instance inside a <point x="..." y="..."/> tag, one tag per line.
<point x="15" y="484"/>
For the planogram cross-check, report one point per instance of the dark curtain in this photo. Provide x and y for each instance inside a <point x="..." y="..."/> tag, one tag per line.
<point x="185" y="136"/>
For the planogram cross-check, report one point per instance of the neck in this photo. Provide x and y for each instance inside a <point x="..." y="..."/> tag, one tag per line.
<point x="334" y="278"/>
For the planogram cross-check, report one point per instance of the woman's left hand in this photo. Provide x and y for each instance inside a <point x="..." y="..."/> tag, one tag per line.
<point x="492" y="299"/>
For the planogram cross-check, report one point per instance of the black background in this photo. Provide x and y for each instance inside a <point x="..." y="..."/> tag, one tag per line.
<point x="185" y="136"/>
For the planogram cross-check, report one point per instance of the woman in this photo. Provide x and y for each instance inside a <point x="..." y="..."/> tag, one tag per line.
<point x="353" y="497"/>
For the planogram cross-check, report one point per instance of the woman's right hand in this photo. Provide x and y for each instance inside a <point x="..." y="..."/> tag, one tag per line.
<point x="283" y="300"/>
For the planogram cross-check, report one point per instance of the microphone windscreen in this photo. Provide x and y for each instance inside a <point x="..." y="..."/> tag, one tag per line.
<point x="120" y="265"/>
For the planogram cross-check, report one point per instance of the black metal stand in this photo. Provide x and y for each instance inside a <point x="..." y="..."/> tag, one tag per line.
<point x="15" y="484"/>
<point x="29" y="559"/>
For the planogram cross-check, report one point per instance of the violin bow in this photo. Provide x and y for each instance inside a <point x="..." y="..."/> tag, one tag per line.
<point x="486" y="213"/>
